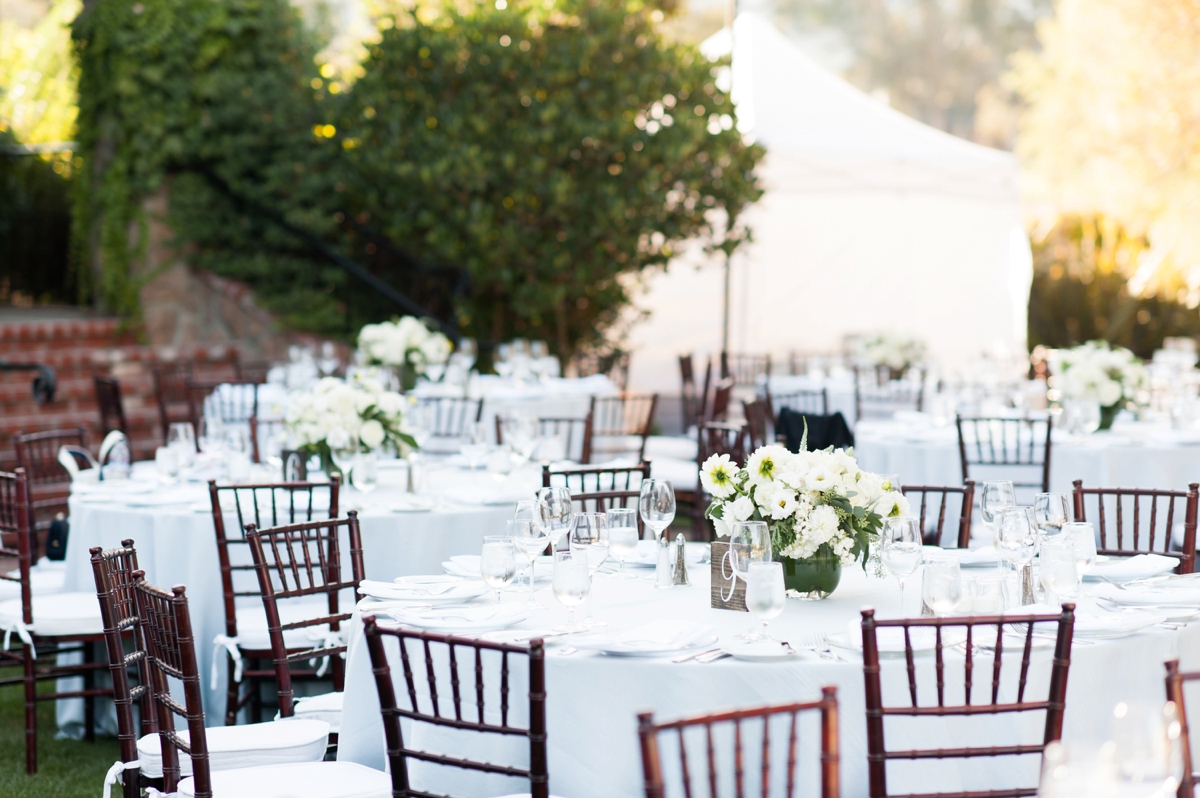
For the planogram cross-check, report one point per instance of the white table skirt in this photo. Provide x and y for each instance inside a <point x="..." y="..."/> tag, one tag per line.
<point x="929" y="456"/>
<point x="177" y="545"/>
<point x="593" y="699"/>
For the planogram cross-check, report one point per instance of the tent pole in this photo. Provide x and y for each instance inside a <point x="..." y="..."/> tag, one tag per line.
<point x="725" y="314"/>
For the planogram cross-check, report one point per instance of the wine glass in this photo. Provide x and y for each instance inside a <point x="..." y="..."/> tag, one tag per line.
<point x="181" y="438"/>
<point x="941" y="585"/>
<point x="1017" y="537"/>
<point x="555" y="511"/>
<point x="765" y="594"/>
<point x="749" y="543"/>
<point x="329" y="360"/>
<point x="237" y="454"/>
<point x="1083" y="539"/>
<point x="622" y="535"/>
<point x="498" y="563"/>
<point x="997" y="496"/>
<point x="571" y="583"/>
<point x="364" y="472"/>
<point x="521" y="434"/>
<point x="901" y="550"/>
<point x="343" y="457"/>
<point x="1057" y="569"/>
<point x="212" y="436"/>
<point x="528" y="536"/>
<point x="657" y="505"/>
<point x="1051" y="511"/>
<point x="589" y="534"/>
<point x="473" y="443"/>
<point x="419" y="421"/>
<point x="526" y="510"/>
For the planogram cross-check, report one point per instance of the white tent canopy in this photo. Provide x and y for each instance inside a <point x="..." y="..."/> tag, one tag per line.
<point x="870" y="221"/>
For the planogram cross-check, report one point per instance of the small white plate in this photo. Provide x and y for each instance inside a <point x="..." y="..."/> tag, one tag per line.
<point x="767" y="651"/>
<point x="461" y="620"/>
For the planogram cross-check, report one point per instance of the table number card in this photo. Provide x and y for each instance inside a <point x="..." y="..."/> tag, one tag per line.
<point x="727" y="591"/>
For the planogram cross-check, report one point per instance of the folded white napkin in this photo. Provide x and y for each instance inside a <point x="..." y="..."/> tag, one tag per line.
<point x="434" y="585"/>
<point x="1138" y="595"/>
<point x="1125" y="569"/>
<point x="392" y="591"/>
<point x="487" y="497"/>
<point x="968" y="558"/>
<point x="460" y="617"/>
<point x="663" y="636"/>
<point x="1089" y="622"/>
<point x="412" y="503"/>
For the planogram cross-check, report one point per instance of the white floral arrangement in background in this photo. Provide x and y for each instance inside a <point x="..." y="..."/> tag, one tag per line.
<point x="890" y="349"/>
<point x="1097" y="372"/>
<point x="407" y="341"/>
<point x="810" y="500"/>
<point x="360" y="414"/>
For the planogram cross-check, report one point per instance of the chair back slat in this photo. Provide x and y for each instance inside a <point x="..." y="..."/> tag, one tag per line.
<point x="995" y="627"/>
<point x="1018" y="446"/>
<point x="575" y="434"/>
<point x="14" y="523"/>
<point x="599" y="488"/>
<point x="720" y="438"/>
<point x="879" y="394"/>
<point x="721" y="396"/>
<point x="399" y="754"/>
<point x="744" y="368"/>
<point x="1156" y="539"/>
<point x="650" y="733"/>
<point x="759" y="427"/>
<point x="296" y="561"/>
<point x="813" y="402"/>
<point x="932" y="529"/>
<point x="448" y="415"/>
<point x="620" y="418"/>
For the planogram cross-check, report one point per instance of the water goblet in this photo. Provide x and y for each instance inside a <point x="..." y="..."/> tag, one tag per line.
<point x="589" y="534"/>
<point x="1083" y="538"/>
<point x="1017" y="544"/>
<point x="622" y="536"/>
<point x="555" y="511"/>
<point x="571" y="583"/>
<point x="656" y="503"/>
<point x="473" y="443"/>
<point x="498" y="563"/>
<point x="1057" y="569"/>
<point x="528" y="536"/>
<point x="941" y="585"/>
<point x="749" y="543"/>
<point x="997" y="496"/>
<point x="765" y="595"/>
<point x="1051" y="511"/>
<point x="901" y="548"/>
<point x="181" y="438"/>
<point x="166" y="460"/>
<point x="211" y="439"/>
<point x="237" y="455"/>
<point x="364" y="472"/>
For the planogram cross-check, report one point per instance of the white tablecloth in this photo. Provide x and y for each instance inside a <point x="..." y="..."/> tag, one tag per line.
<point x="176" y="544"/>
<point x="593" y="699"/>
<point x="1130" y="456"/>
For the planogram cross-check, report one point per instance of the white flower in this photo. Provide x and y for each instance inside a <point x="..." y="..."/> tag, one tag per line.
<point x="722" y="527"/>
<point x="338" y="438"/>
<point x="783" y="504"/>
<point x="766" y="464"/>
<point x="821" y="479"/>
<point x="822" y="524"/>
<point x="435" y="349"/>
<point x="741" y="509"/>
<point x="716" y="475"/>
<point x="371" y="433"/>
<point x="892" y="504"/>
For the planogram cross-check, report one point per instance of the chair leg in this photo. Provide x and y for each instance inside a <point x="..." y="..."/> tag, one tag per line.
<point x="255" y="698"/>
<point x="231" y="693"/>
<point x="89" y="683"/>
<point x="30" y="711"/>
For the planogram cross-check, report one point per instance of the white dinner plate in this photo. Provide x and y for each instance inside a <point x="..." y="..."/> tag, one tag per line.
<point x="466" y="590"/>
<point x="654" y="639"/>
<point x="461" y="620"/>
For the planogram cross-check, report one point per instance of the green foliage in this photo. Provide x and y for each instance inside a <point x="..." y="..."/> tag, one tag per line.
<point x="1083" y="268"/>
<point x="548" y="151"/>
<point x="35" y="224"/>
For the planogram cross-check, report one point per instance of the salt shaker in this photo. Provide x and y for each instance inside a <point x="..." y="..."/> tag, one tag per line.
<point x="680" y="577"/>
<point x="662" y="572"/>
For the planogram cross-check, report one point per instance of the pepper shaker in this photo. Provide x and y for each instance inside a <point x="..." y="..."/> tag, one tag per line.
<point x="680" y="577"/>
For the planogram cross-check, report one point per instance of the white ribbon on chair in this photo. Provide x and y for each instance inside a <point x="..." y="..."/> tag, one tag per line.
<point x="115" y="774"/>
<point x="22" y="631"/>
<point x="326" y="638"/>
<point x="230" y="646"/>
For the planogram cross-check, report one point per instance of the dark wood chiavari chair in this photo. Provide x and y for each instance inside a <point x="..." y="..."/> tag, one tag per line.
<point x="617" y="420"/>
<point x="600" y="489"/>
<point x="171" y="654"/>
<point x="814" y="402"/>
<point x="722" y="395"/>
<point x="991" y="629"/>
<point x="269" y="505"/>
<point x="48" y="483"/>
<point x="613" y="364"/>
<point x="447" y="415"/>
<point x="113" y="572"/>
<point x="877" y="395"/>
<point x="1176" y="679"/>
<point x="300" y="562"/>
<point x="171" y="393"/>
<point x="652" y="769"/>
<point x="745" y="369"/>
<point x="932" y="527"/>
<point x="235" y="404"/>
<point x="713" y="438"/>
<point x="77" y="628"/>
<point x="695" y="401"/>
<point x="108" y="400"/>
<point x="759" y="427"/>
<point x="1020" y="445"/>
<point x="399" y="753"/>
<point x="1122" y="497"/>
<point x="574" y="433"/>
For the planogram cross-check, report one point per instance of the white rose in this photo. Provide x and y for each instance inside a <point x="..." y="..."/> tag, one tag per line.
<point x="371" y="433"/>
<point x="436" y="348"/>
<point x="741" y="509"/>
<point x="1108" y="392"/>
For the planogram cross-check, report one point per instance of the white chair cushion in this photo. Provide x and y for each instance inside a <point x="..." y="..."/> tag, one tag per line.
<point x="684" y="474"/>
<point x="253" y="745"/>
<point x="44" y="578"/>
<point x="310" y="780"/>
<point x="57" y="614"/>
<point x="252" y="624"/>
<point x="676" y="448"/>
<point x="326" y="707"/>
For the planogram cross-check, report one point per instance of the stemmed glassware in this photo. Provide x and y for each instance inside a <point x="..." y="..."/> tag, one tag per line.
<point x="521" y="434"/>
<point x="364" y="471"/>
<point x="657" y="505"/>
<point x="1017" y="543"/>
<point x="1057" y="569"/>
<point x="181" y="439"/>
<point x="527" y="535"/>
<point x="237" y="454"/>
<point x="941" y="585"/>
<point x="749" y="543"/>
<point x="901" y="550"/>
<point x="997" y="496"/>
<point x="498" y="563"/>
<point x="211" y="436"/>
<point x="589" y="534"/>
<point x="571" y="583"/>
<point x="473" y="443"/>
<point x="622" y="535"/>
<point x="1051" y="511"/>
<point x="555" y="512"/>
<point x="1083" y="539"/>
<point x="765" y="595"/>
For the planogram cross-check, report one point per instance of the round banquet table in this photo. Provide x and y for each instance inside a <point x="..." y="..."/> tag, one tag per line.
<point x="176" y="542"/>
<point x="593" y="698"/>
<point x="1129" y="456"/>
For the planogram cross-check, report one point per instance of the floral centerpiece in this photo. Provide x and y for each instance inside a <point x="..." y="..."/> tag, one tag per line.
<point x="822" y="510"/>
<point x="896" y="352"/>
<point x="406" y="344"/>
<point x="357" y="415"/>
<point x="1096" y="372"/>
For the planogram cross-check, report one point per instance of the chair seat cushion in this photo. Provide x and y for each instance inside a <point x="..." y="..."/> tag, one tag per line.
<point x="684" y="474"/>
<point x="326" y="707"/>
<point x="253" y="745"/>
<point x="310" y="780"/>
<point x="57" y="614"/>
<point x="45" y="577"/>
<point x="252" y="624"/>
<point x="676" y="448"/>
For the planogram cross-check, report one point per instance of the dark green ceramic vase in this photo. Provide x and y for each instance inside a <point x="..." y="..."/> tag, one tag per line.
<point x="814" y="578"/>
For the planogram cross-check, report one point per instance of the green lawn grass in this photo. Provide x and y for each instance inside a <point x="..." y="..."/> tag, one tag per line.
<point x="66" y="768"/>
